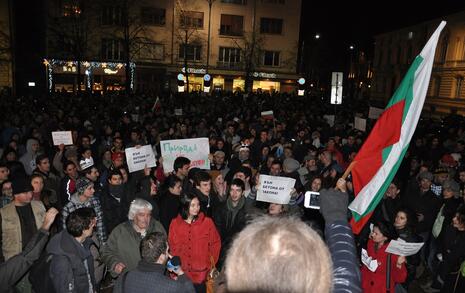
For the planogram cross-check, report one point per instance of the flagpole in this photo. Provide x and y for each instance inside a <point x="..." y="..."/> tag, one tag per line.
<point x="346" y="173"/>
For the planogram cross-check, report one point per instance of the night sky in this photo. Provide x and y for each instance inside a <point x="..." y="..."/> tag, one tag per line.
<point x="345" y="23"/>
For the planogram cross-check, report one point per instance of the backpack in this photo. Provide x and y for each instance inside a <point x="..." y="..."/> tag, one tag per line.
<point x="39" y="275"/>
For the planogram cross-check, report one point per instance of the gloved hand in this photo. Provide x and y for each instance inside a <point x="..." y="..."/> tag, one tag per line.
<point x="333" y="203"/>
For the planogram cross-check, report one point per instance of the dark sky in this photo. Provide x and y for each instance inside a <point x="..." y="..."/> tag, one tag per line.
<point x="342" y="23"/>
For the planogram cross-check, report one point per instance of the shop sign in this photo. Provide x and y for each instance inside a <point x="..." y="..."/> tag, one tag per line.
<point x="263" y="75"/>
<point x="194" y="70"/>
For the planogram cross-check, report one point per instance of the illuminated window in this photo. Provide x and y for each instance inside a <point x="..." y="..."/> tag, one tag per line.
<point x="458" y="86"/>
<point x="71" y="10"/>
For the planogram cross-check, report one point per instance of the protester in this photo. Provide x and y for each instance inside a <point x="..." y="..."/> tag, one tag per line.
<point x="194" y="238"/>
<point x="121" y="253"/>
<point x="149" y="275"/>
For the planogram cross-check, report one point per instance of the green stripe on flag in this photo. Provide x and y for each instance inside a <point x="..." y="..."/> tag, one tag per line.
<point x="386" y="153"/>
<point x="384" y="187"/>
<point x="405" y="89"/>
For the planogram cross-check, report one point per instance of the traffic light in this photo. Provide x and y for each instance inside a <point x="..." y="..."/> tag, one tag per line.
<point x="180" y="82"/>
<point x="207" y="83"/>
<point x="301" y="89"/>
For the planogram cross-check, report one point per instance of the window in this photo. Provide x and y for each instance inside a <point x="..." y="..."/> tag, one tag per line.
<point x="150" y="51"/>
<point x="271" y="26"/>
<point x="71" y="10"/>
<point x="153" y="16"/>
<point x="112" y="15"/>
<point x="458" y="86"/>
<point x="229" y="57"/>
<point x="242" y="2"/>
<point x="271" y="58"/>
<point x="112" y="49"/>
<point x="192" y="19"/>
<point x="190" y="52"/>
<point x="232" y="25"/>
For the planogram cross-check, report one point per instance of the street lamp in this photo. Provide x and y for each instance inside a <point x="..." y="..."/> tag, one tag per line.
<point x="317" y="36"/>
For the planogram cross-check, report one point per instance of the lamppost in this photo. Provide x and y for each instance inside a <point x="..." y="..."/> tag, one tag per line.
<point x="210" y="3"/>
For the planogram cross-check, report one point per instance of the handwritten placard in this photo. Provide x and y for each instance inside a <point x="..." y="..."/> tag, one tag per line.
<point x="374" y="112"/>
<point x="400" y="247"/>
<point x="360" y="124"/>
<point x="195" y="149"/>
<point x="62" y="137"/>
<point x="275" y="189"/>
<point x="139" y="158"/>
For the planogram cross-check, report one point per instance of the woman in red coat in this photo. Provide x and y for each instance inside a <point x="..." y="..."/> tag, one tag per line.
<point x="194" y="238"/>
<point x="374" y="275"/>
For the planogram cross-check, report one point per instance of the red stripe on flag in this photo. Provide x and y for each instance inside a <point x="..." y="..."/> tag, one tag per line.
<point x="358" y="226"/>
<point x="386" y="132"/>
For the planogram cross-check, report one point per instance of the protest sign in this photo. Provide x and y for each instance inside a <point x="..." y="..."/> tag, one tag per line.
<point x="195" y="149"/>
<point x="360" y="124"/>
<point x="275" y="189"/>
<point x="62" y="137"/>
<point x="139" y="158"/>
<point x="374" y="113"/>
<point x="400" y="247"/>
<point x="178" y="112"/>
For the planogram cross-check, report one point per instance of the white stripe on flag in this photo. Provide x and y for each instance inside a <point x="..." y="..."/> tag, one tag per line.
<point x="420" y="86"/>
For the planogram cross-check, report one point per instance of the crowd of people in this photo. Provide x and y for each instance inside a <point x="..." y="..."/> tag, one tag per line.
<point x="74" y="219"/>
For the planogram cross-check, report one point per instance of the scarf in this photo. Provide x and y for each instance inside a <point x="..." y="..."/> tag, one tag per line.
<point x="233" y="210"/>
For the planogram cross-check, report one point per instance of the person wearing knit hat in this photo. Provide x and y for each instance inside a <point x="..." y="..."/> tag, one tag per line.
<point x="290" y="165"/>
<point x="20" y="219"/>
<point x="84" y="197"/>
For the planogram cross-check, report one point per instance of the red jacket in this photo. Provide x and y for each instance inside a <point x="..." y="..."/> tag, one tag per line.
<point x="194" y="244"/>
<point x="376" y="281"/>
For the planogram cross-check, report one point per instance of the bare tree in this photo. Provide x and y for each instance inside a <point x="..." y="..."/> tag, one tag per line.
<point x="187" y="32"/>
<point x="70" y="33"/>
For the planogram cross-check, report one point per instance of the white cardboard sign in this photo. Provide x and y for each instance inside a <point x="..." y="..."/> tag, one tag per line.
<point x="62" y="137"/>
<point x="138" y="158"/>
<point x="374" y="113"/>
<point x="400" y="247"/>
<point x="275" y="189"/>
<point x="360" y="124"/>
<point x="195" y="149"/>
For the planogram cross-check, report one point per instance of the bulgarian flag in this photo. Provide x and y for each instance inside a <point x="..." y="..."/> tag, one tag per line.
<point x="379" y="158"/>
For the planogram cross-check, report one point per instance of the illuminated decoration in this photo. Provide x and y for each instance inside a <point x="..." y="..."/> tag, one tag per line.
<point x="109" y="71"/>
<point x="71" y="66"/>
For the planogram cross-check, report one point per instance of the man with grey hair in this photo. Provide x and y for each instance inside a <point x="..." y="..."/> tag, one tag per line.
<point x="149" y="276"/>
<point x="122" y="250"/>
<point x="292" y="257"/>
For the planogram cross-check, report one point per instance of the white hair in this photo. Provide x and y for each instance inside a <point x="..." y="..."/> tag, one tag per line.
<point x="137" y="205"/>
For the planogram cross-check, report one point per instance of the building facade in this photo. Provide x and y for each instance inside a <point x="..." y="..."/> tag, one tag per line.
<point x="230" y="39"/>
<point x="395" y="51"/>
<point x="6" y="60"/>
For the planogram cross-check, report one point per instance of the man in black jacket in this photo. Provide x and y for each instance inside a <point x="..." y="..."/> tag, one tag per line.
<point x="149" y="276"/>
<point x="231" y="216"/>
